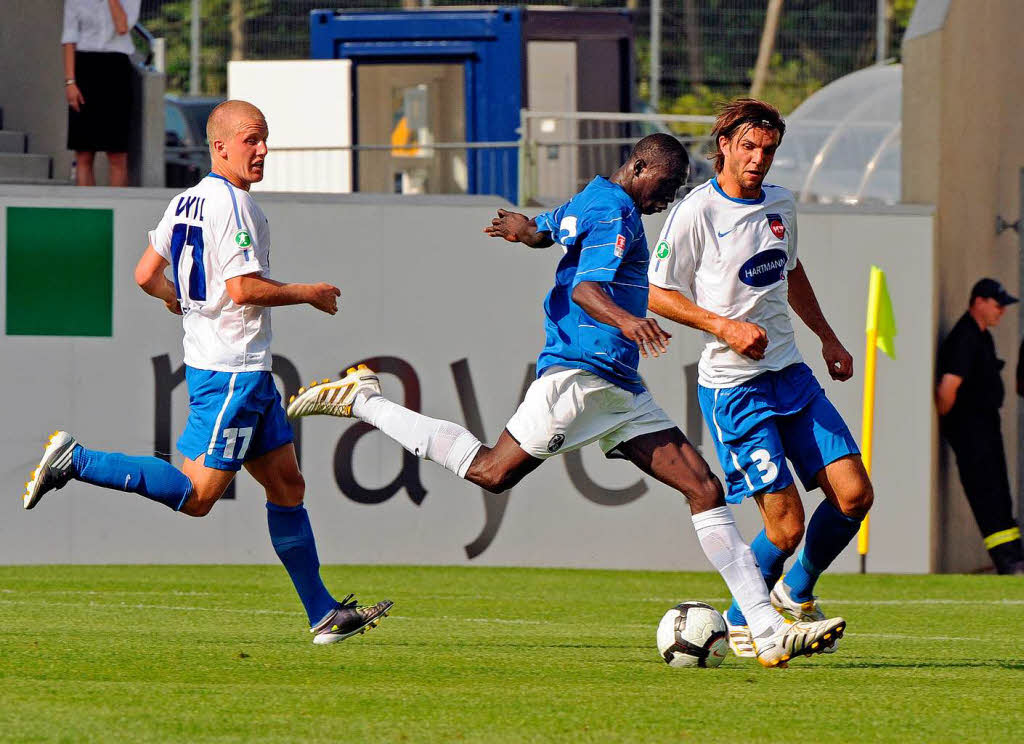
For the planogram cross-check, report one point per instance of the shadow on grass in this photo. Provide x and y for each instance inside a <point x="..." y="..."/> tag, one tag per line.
<point x="903" y="664"/>
<point x="528" y="646"/>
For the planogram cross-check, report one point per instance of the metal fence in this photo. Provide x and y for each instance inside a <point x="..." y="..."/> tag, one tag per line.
<point x="708" y="47"/>
<point x="561" y="151"/>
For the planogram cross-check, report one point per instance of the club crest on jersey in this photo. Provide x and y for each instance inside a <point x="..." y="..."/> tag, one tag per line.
<point x="765" y="268"/>
<point x="777" y="225"/>
<point x="620" y="246"/>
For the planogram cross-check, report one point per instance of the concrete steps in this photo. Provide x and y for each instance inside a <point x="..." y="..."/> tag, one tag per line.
<point x="13" y="142"/>
<point x="32" y="182"/>
<point x="17" y="164"/>
<point x="25" y="166"/>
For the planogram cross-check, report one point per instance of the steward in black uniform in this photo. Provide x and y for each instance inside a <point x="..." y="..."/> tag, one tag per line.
<point x="969" y="396"/>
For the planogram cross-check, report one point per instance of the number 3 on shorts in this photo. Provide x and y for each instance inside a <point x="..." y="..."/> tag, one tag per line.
<point x="232" y="435"/>
<point x="768" y="469"/>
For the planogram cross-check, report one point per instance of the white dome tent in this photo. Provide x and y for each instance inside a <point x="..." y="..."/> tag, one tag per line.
<point x="842" y="144"/>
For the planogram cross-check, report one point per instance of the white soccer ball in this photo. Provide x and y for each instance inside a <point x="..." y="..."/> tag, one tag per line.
<point x="693" y="634"/>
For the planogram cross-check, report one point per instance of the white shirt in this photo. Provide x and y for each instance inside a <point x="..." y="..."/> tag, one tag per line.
<point x="90" y="27"/>
<point x="209" y="234"/>
<point x="730" y="256"/>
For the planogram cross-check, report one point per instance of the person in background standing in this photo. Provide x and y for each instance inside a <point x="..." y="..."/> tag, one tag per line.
<point x="98" y="83"/>
<point x="968" y="398"/>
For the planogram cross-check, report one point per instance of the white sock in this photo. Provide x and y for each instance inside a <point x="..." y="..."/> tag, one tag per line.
<point x="449" y="445"/>
<point x="734" y="560"/>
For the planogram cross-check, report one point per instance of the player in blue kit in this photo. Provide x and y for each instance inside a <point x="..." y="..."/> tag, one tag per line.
<point x="588" y="388"/>
<point x="216" y="241"/>
<point x="726" y="263"/>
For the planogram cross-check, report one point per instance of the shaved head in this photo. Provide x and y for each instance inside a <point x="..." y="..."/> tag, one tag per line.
<point x="237" y="132"/>
<point x="660" y="147"/>
<point x="228" y="117"/>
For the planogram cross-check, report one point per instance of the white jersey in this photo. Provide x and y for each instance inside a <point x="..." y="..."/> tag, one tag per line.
<point x="730" y="256"/>
<point x="209" y="234"/>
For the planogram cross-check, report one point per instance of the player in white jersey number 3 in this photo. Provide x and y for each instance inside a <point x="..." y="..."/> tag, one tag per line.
<point x="216" y="241"/>
<point x="726" y="263"/>
<point x="588" y="388"/>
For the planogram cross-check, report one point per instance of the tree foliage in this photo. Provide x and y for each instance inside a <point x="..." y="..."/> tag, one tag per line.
<point x="708" y="46"/>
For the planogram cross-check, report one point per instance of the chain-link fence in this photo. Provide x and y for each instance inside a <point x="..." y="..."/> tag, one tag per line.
<point x="708" y="47"/>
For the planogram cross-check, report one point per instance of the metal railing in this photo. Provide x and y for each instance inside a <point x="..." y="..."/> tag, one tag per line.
<point x="144" y="46"/>
<point x="596" y="142"/>
<point x="447" y="167"/>
<point x="557" y="154"/>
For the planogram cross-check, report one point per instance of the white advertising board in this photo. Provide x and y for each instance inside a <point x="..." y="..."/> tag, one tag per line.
<point x="308" y="105"/>
<point x="454" y="321"/>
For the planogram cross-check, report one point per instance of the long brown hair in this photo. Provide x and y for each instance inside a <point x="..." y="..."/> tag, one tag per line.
<point x="738" y="116"/>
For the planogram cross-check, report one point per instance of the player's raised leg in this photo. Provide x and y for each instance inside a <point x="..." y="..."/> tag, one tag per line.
<point x="450" y="445"/>
<point x="292" y="537"/>
<point x="669" y="457"/>
<point x="65" y="460"/>
<point x="848" y="497"/>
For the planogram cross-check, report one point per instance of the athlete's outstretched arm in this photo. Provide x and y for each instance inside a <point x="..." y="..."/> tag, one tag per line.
<point x="803" y="301"/>
<point x="518" y="228"/>
<point x="149" y="275"/>
<point x="253" y="289"/>
<point x="644" y="331"/>
<point x="745" y="338"/>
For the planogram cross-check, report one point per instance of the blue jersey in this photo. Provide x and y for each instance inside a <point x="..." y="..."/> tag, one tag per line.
<point x="603" y="238"/>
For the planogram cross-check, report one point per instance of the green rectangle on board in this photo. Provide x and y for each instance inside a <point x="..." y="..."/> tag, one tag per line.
<point x="60" y="272"/>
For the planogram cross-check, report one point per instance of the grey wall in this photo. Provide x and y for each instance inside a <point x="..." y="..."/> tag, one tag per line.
<point x="422" y="283"/>
<point x="32" y="78"/>
<point x="962" y="64"/>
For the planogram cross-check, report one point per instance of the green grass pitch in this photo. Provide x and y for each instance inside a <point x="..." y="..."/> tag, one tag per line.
<point x="220" y="653"/>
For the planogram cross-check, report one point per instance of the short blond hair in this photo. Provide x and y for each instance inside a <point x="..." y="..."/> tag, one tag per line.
<point x="222" y="120"/>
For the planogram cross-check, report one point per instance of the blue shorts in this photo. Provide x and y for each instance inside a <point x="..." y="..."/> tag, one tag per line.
<point x="233" y="417"/>
<point x="776" y="416"/>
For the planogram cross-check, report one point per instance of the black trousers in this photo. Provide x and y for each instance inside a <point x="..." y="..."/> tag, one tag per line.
<point x="104" y="122"/>
<point x="981" y="460"/>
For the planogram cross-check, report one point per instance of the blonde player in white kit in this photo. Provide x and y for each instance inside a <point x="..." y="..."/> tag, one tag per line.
<point x="216" y="241"/>
<point x="726" y="263"/>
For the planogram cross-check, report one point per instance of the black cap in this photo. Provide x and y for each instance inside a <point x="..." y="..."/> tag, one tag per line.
<point x="991" y="289"/>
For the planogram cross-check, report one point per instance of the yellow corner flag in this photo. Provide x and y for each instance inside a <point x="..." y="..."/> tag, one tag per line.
<point x="881" y="333"/>
<point x="881" y="319"/>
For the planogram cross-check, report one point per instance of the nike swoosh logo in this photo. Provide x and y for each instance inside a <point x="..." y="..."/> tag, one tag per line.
<point x="723" y="234"/>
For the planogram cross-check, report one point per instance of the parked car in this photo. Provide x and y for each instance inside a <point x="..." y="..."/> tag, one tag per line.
<point x="186" y="153"/>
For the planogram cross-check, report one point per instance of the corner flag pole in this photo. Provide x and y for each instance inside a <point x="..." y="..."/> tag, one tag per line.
<point x="867" y="425"/>
<point x="881" y="334"/>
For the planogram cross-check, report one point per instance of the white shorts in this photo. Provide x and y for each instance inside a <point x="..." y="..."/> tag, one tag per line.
<point x="566" y="409"/>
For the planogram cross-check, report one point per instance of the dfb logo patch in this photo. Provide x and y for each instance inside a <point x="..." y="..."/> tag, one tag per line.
<point x="555" y="442"/>
<point x="777" y="225"/>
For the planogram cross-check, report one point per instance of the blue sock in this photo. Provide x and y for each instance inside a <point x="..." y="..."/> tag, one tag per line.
<point x="292" y="538"/>
<point x="771" y="559"/>
<point x="148" y="476"/>
<point x="828" y="533"/>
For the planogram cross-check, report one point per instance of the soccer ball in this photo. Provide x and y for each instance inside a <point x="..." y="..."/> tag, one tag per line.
<point x="693" y="634"/>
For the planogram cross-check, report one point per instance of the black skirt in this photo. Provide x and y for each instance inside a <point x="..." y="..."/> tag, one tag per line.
<point x="104" y="122"/>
